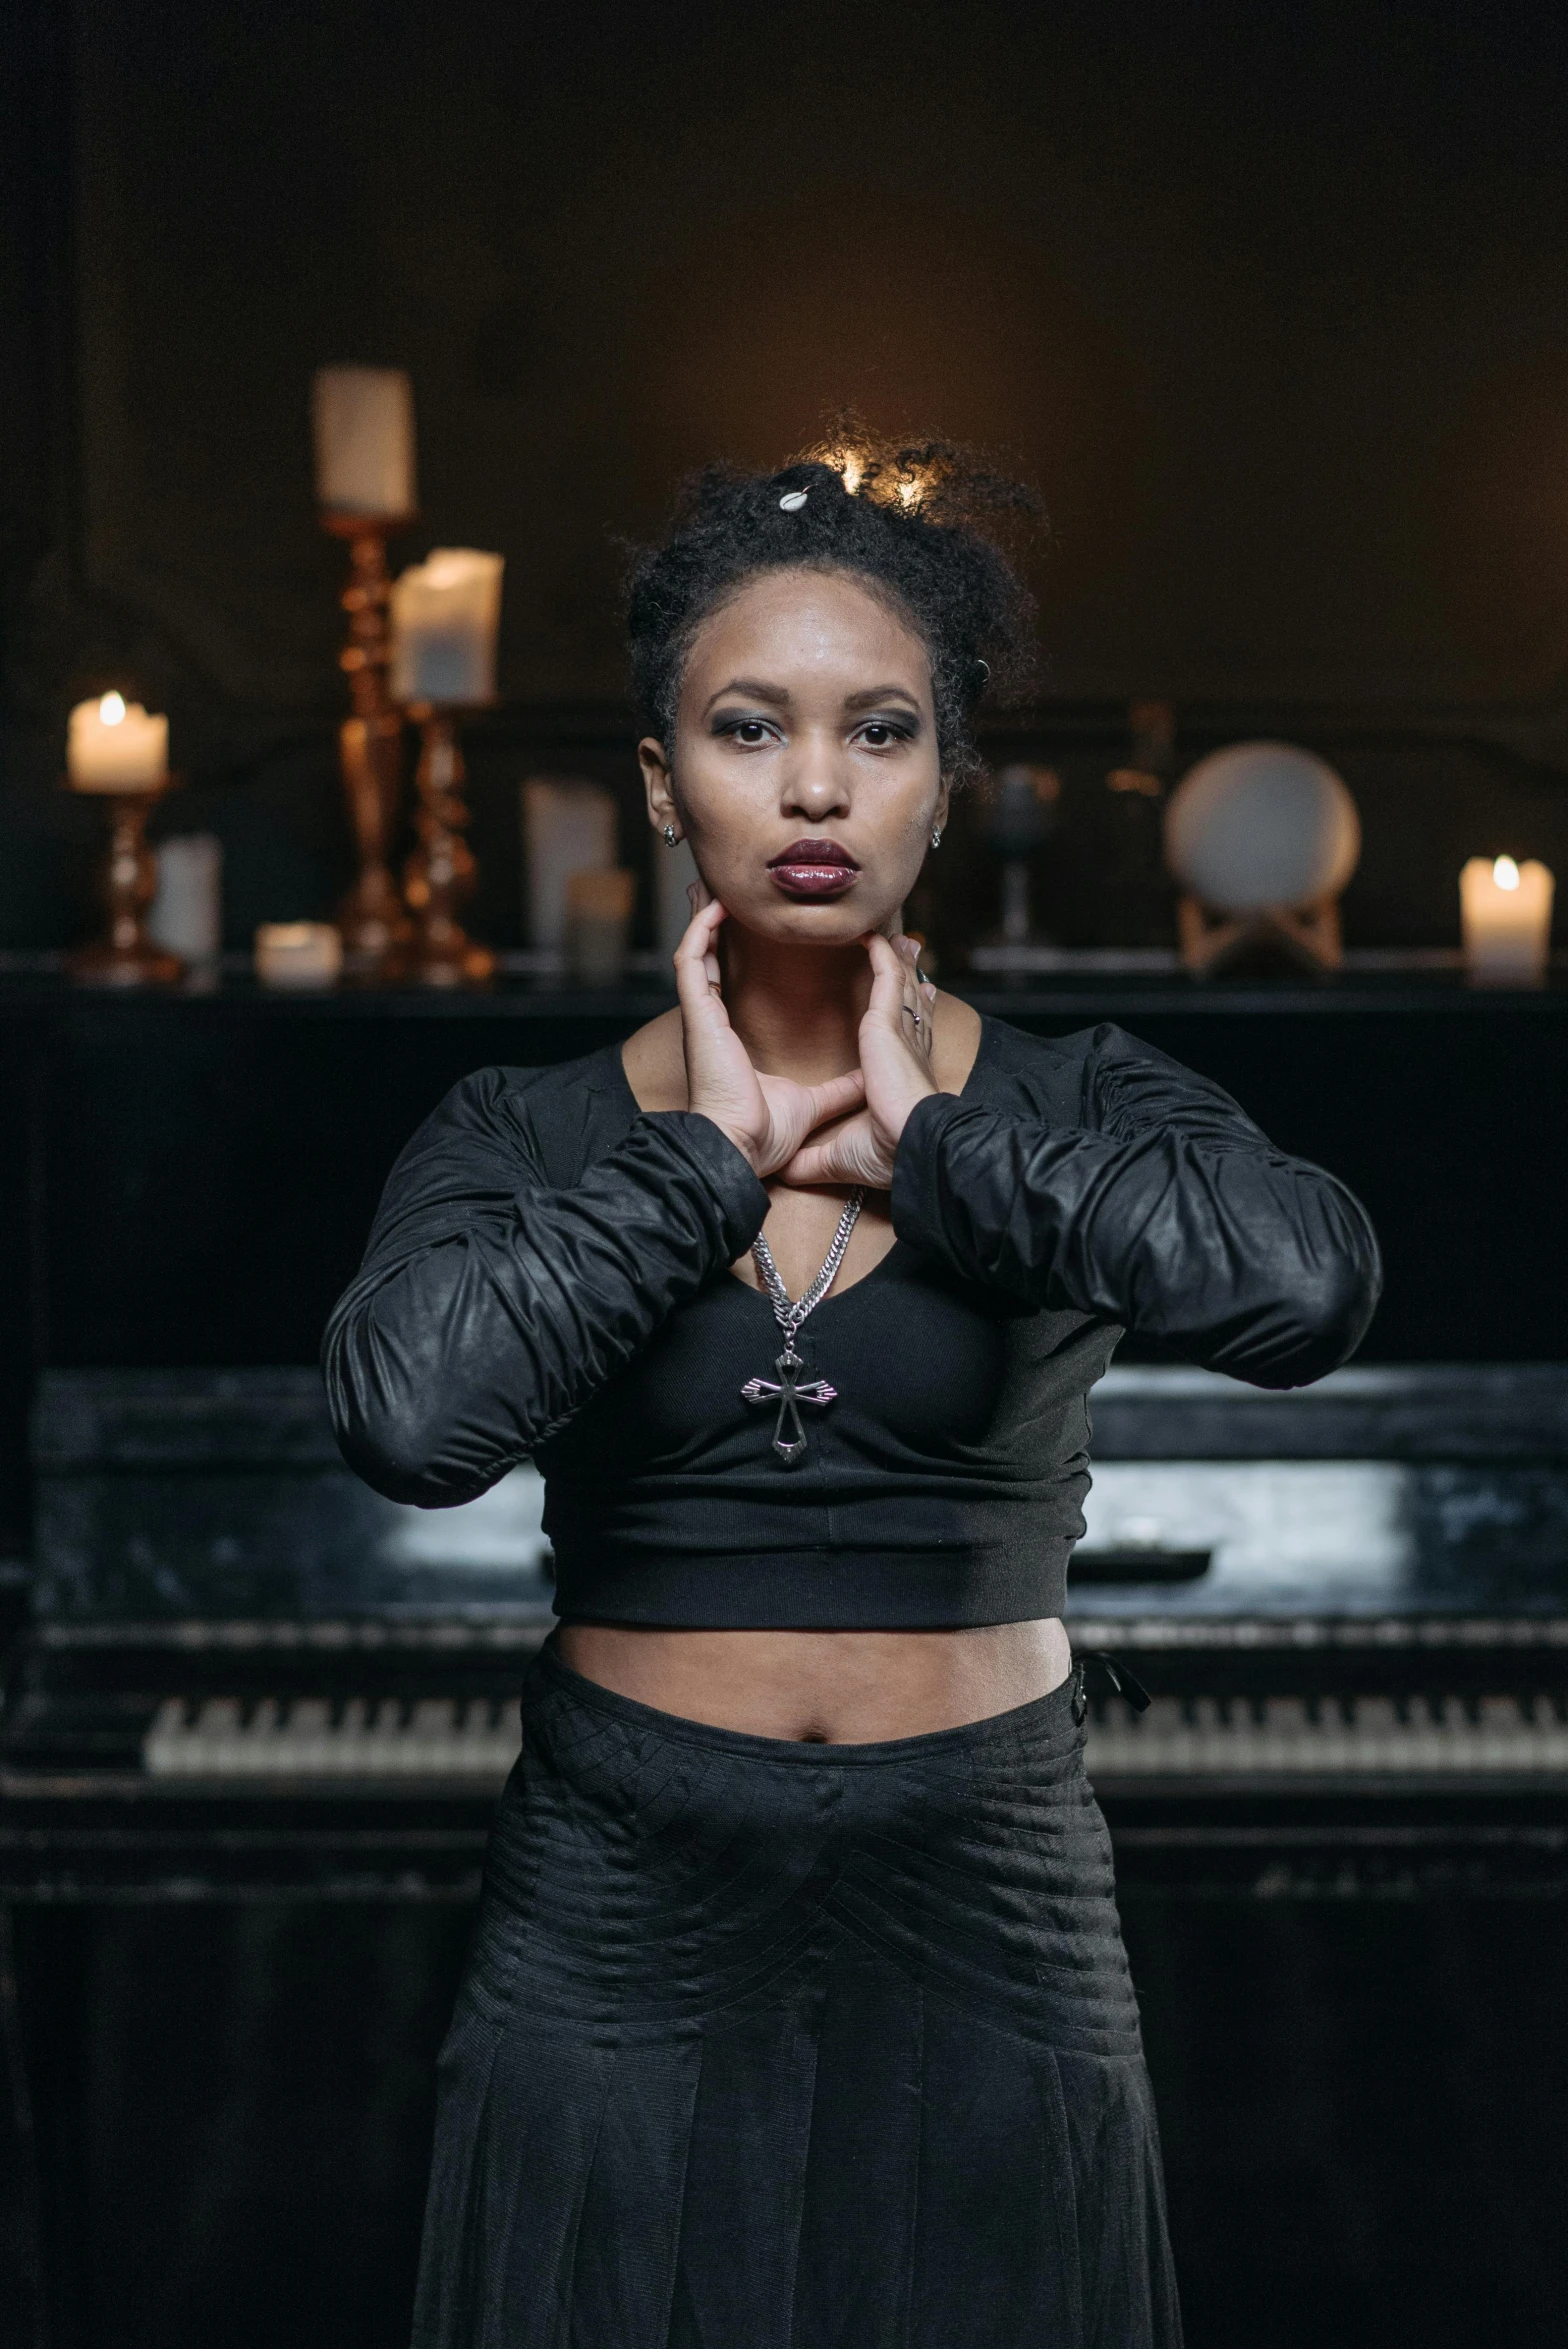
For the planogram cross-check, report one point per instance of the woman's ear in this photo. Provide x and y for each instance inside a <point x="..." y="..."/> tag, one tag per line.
<point x="939" y="812"/>
<point x="657" y="784"/>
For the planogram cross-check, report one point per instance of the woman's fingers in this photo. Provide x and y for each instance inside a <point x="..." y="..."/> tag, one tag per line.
<point x="853" y="1155"/>
<point x="895" y="993"/>
<point x="888" y="968"/>
<point x="836" y="1098"/>
<point x="810" y="1166"/>
<point x="899" y="1003"/>
<point x="917" y="998"/>
<point x="895" y="1039"/>
<point x="697" y="966"/>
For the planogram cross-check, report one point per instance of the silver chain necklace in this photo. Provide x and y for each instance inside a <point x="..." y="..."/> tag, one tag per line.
<point x="789" y="1435"/>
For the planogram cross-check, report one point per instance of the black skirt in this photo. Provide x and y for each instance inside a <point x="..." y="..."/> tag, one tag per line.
<point x="766" y="2045"/>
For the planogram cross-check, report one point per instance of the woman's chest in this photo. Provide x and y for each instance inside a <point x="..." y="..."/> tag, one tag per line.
<point x="902" y="1362"/>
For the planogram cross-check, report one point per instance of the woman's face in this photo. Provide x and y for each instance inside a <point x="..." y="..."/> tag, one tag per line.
<point x="806" y="774"/>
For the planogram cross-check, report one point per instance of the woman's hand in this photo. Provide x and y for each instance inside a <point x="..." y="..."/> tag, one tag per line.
<point x="895" y="1064"/>
<point x="767" y="1118"/>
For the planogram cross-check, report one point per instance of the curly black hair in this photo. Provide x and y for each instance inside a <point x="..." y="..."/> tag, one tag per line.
<point x="921" y="526"/>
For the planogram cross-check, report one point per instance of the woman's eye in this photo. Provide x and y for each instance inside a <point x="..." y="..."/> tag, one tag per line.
<point x="881" y="734"/>
<point x="750" y="732"/>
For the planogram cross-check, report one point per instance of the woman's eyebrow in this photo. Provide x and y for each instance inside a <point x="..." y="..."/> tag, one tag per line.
<point x="863" y="701"/>
<point x="755" y="689"/>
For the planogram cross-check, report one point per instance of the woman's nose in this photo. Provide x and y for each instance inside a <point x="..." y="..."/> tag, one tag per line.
<point x="817" y="781"/>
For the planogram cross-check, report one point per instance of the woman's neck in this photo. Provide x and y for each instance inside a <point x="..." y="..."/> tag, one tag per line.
<point x="795" y="1008"/>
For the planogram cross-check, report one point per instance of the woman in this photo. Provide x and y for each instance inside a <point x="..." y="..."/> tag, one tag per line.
<point x="798" y="2015"/>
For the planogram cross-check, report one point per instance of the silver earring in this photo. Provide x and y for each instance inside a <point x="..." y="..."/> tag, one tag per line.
<point x="936" y="836"/>
<point x="671" y="836"/>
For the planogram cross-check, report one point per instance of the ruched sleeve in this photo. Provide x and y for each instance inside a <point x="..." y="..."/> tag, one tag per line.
<point x="1163" y="1208"/>
<point x="491" y="1305"/>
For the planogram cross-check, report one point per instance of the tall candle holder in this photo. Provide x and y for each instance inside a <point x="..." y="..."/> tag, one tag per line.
<point x="371" y="917"/>
<point x="441" y="873"/>
<point x="126" y="956"/>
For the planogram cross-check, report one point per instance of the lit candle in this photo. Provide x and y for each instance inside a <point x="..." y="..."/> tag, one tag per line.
<point x="1506" y="918"/>
<point x="445" y="615"/>
<point x="364" y="420"/>
<point x="113" y="745"/>
<point x="298" y="954"/>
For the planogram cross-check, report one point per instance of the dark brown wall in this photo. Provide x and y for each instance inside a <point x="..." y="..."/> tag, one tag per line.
<point x="1272" y="302"/>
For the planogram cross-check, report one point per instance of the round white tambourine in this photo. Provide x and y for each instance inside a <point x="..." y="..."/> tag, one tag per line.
<point x="1261" y="824"/>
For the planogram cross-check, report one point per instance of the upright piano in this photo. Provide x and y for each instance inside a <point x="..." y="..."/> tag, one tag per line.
<point x="1348" y="1604"/>
<point x="251" y="1687"/>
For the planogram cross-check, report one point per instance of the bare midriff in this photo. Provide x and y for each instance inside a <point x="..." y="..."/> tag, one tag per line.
<point x="829" y="1687"/>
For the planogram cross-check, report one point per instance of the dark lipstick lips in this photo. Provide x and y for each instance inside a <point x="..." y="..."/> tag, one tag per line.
<point x="813" y="868"/>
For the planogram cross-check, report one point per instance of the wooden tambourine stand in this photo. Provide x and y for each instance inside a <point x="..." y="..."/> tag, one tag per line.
<point x="1304" y="934"/>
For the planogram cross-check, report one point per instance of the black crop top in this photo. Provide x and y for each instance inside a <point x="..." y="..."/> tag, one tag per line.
<point x="549" y="1276"/>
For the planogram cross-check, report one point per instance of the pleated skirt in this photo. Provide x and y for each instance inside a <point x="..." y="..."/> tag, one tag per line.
<point x="766" y="2045"/>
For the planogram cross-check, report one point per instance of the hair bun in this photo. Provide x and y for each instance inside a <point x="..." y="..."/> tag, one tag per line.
<point x="920" y="523"/>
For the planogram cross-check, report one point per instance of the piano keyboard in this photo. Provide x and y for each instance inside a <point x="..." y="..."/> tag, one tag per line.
<point x="308" y="1737"/>
<point x="1278" y="1737"/>
<point x="1266" y="1738"/>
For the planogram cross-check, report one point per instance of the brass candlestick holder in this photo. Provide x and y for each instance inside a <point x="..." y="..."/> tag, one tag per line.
<point x="371" y="917"/>
<point x="126" y="956"/>
<point x="441" y="873"/>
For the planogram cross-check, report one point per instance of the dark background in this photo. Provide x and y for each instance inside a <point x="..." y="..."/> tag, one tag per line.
<point x="1270" y="302"/>
<point x="1273" y="305"/>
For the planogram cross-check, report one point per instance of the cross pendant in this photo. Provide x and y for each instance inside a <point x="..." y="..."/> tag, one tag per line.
<point x="789" y="1436"/>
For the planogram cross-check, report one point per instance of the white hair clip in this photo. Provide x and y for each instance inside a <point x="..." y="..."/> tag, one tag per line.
<point x="792" y="500"/>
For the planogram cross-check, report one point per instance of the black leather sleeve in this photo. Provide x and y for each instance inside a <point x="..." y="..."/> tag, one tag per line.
<point x="491" y="1306"/>
<point x="1163" y="1208"/>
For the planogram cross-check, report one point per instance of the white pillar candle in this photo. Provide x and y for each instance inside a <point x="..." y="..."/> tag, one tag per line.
<point x="364" y="425"/>
<point x="1506" y="919"/>
<point x="298" y="954"/>
<point x="113" y="745"/>
<point x="446" y="613"/>
<point x="187" y="912"/>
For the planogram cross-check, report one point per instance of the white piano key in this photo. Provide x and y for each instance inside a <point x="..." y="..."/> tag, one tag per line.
<point x="438" y="1737"/>
<point x="1368" y="1736"/>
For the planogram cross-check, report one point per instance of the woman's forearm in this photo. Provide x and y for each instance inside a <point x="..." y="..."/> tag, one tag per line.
<point x="480" y="1323"/>
<point x="1238" y="1256"/>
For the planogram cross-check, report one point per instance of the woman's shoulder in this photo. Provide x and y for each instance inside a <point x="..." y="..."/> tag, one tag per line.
<point x="1102" y="1078"/>
<point x="563" y="1113"/>
<point x="1052" y="1076"/>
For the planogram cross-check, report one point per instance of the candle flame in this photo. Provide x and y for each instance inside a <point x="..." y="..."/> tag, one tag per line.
<point x="111" y="710"/>
<point x="1505" y="873"/>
